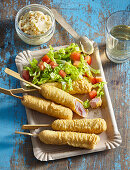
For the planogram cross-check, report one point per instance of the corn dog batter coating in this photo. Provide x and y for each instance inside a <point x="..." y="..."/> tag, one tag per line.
<point x="79" y="87"/>
<point x="65" y="99"/>
<point x="74" y="139"/>
<point x="95" y="126"/>
<point x="46" y="107"/>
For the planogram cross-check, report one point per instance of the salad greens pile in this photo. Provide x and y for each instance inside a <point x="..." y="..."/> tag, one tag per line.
<point x="62" y="58"/>
<point x="100" y="86"/>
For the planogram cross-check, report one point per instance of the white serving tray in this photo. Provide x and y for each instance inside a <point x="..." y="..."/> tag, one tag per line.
<point x="109" y="139"/>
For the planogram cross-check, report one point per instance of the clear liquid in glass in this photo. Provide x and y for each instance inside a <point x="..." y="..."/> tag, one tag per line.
<point x="118" y="43"/>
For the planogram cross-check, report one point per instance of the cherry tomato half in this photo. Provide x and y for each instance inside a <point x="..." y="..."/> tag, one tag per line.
<point x="75" y="56"/>
<point x="41" y="65"/>
<point x="92" y="80"/>
<point x="62" y="73"/>
<point x="76" y="63"/>
<point x="99" y="79"/>
<point x="53" y="64"/>
<point x="25" y="74"/>
<point x="46" y="59"/>
<point x="88" y="59"/>
<point x="92" y="94"/>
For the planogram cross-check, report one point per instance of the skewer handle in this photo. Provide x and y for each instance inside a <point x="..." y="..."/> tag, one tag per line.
<point x="21" y="90"/>
<point x="9" y="92"/>
<point x="5" y="91"/>
<point x="25" y="133"/>
<point x="35" y="126"/>
<point x="17" y="76"/>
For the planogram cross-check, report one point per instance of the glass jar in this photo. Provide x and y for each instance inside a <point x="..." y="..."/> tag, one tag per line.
<point x="35" y="39"/>
<point x="118" y="36"/>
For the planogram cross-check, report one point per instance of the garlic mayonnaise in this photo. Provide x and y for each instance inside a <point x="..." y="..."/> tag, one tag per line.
<point x="35" y="23"/>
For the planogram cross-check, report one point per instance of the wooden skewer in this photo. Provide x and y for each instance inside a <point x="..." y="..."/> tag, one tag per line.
<point x="25" y="133"/>
<point x="21" y="90"/>
<point x="17" y="76"/>
<point x="11" y="92"/>
<point x="35" y="126"/>
<point x="8" y="92"/>
<point x="5" y="91"/>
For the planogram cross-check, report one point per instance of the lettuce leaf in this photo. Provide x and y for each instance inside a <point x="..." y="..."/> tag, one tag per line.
<point x="73" y="47"/>
<point x="100" y="85"/>
<point x="100" y="88"/>
<point x="86" y="104"/>
<point x="69" y="83"/>
<point x="51" y="53"/>
<point x="72" y="71"/>
<point x="83" y="68"/>
<point x="94" y="70"/>
<point x="63" y="85"/>
<point x="64" y="53"/>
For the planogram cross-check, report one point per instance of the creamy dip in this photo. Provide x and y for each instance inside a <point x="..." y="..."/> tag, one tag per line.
<point x="35" y="23"/>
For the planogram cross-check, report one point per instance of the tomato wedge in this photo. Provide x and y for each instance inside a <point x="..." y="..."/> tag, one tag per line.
<point x="46" y="59"/>
<point x="99" y="79"/>
<point x="88" y="59"/>
<point x="85" y="75"/>
<point x="25" y="74"/>
<point x="41" y="65"/>
<point x="53" y="64"/>
<point x="76" y="63"/>
<point x="92" y="94"/>
<point x="75" y="56"/>
<point x="62" y="73"/>
<point x="92" y="80"/>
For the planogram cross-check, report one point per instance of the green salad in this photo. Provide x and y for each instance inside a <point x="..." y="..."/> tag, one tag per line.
<point x="65" y="66"/>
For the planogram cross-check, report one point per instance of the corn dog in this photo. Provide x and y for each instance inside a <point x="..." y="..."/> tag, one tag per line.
<point x="96" y="126"/>
<point x="65" y="99"/>
<point x="79" y="87"/>
<point x="74" y="139"/>
<point x="46" y="107"/>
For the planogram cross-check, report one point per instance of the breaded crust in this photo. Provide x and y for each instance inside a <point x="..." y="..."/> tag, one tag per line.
<point x="47" y="107"/>
<point x="79" y="87"/>
<point x="96" y="126"/>
<point x="65" y="99"/>
<point x="74" y="139"/>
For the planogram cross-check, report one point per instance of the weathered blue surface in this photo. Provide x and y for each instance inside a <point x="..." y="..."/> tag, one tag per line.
<point x="87" y="17"/>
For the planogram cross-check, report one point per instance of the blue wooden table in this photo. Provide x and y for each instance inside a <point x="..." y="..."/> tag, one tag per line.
<point x="87" y="17"/>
